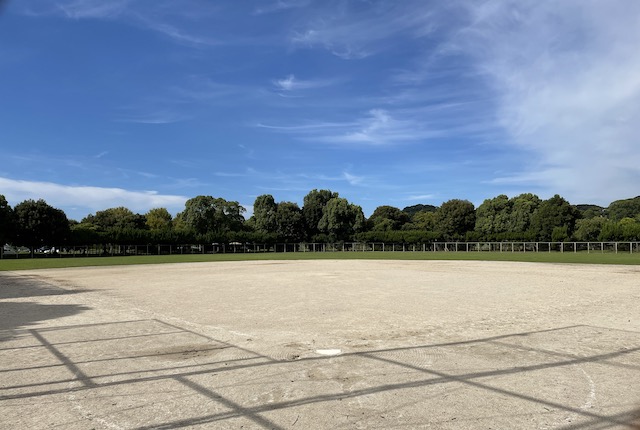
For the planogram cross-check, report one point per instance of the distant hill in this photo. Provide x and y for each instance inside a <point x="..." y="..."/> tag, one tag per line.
<point x="590" y="211"/>
<point x="412" y="210"/>
<point x="628" y="208"/>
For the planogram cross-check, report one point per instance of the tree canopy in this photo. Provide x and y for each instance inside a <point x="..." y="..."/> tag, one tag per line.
<point x="324" y="217"/>
<point x="39" y="224"/>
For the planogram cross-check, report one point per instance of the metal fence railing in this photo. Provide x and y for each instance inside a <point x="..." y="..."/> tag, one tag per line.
<point x="238" y="247"/>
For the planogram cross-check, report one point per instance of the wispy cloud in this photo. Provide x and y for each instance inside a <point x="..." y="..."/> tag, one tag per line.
<point x="421" y="197"/>
<point x="291" y="83"/>
<point x="91" y="198"/>
<point x="379" y="127"/>
<point x="97" y="9"/>
<point x="356" y="33"/>
<point x="281" y="5"/>
<point x="157" y="117"/>
<point x="157" y="18"/>
<point x="568" y="91"/>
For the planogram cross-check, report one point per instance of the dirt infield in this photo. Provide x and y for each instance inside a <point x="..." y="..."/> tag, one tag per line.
<point x="321" y="344"/>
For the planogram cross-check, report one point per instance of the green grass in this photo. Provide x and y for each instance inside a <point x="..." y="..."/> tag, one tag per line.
<point x="541" y="257"/>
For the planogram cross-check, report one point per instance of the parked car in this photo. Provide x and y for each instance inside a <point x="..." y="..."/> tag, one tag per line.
<point x="9" y="250"/>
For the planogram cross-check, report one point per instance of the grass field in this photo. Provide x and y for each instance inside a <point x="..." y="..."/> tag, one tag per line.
<point x="541" y="257"/>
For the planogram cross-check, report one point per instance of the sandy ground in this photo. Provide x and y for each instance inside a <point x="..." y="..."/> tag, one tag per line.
<point x="321" y="344"/>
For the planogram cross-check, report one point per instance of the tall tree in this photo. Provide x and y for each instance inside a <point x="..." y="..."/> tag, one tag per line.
<point x="206" y="214"/>
<point x="455" y="218"/>
<point x="522" y="209"/>
<point x="289" y="222"/>
<point x="589" y="229"/>
<point x="40" y="224"/>
<point x="7" y="221"/>
<point x="313" y="209"/>
<point x="388" y="218"/>
<point x="264" y="214"/>
<point x="492" y="216"/>
<point x="116" y="218"/>
<point x="554" y="213"/>
<point x="341" y="219"/>
<point x="425" y="221"/>
<point x="159" y="219"/>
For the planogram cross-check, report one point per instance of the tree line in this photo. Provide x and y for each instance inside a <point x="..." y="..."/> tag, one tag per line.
<point x="324" y="217"/>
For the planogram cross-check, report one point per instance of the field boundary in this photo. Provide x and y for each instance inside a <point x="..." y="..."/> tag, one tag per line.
<point x="107" y="250"/>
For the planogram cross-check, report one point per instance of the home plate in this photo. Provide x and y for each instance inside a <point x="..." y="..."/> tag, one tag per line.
<point x="328" y="351"/>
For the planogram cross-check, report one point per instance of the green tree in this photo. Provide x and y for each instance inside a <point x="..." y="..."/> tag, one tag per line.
<point x="552" y="213"/>
<point x="493" y="217"/>
<point x="39" y="224"/>
<point x="264" y="214"/>
<point x="313" y="209"/>
<point x="208" y="215"/>
<point x="522" y="209"/>
<point x="159" y="219"/>
<point x="289" y="222"/>
<point x="116" y="218"/>
<point x="590" y="211"/>
<point x="423" y="221"/>
<point x="629" y="229"/>
<point x="589" y="229"/>
<point x="629" y="208"/>
<point x="85" y="234"/>
<point x="7" y="221"/>
<point x="455" y="218"/>
<point x="388" y="218"/>
<point x="341" y="220"/>
<point x="416" y="209"/>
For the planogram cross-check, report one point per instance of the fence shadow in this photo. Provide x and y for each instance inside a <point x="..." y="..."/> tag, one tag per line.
<point x="193" y="364"/>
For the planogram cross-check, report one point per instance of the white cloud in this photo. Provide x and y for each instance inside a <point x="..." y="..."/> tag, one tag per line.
<point x="156" y="18"/>
<point x="82" y="9"/>
<point x="291" y="83"/>
<point x="357" y="33"/>
<point x="91" y="198"/>
<point x="156" y="117"/>
<point x="281" y="5"/>
<point x="568" y="88"/>
<point x="422" y="197"/>
<point x="379" y="127"/>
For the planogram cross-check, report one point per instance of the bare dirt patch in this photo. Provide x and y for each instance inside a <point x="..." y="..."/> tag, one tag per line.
<point x="321" y="344"/>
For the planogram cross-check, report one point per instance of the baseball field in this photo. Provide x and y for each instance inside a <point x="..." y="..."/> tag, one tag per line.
<point x="319" y="344"/>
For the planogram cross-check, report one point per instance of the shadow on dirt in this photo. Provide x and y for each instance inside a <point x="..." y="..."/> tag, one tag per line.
<point x="21" y="314"/>
<point x="194" y="375"/>
<point x="22" y="286"/>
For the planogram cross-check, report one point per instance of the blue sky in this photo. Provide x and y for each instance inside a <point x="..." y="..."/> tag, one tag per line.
<point x="146" y="103"/>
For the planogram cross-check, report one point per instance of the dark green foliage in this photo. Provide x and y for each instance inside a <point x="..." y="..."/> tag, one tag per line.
<point x="590" y="211"/>
<point x="415" y="209"/>
<point x="455" y="218"/>
<point x="388" y="218"/>
<point x="522" y="209"/>
<point x="325" y="218"/>
<point x="289" y="222"/>
<point x="589" y="229"/>
<point x="213" y="216"/>
<point x="341" y="220"/>
<point x="116" y="218"/>
<point x="493" y="217"/>
<point x="7" y="222"/>
<point x="552" y="213"/>
<point x="313" y="209"/>
<point x="629" y="208"/>
<point x="264" y="214"/>
<point x="39" y="224"/>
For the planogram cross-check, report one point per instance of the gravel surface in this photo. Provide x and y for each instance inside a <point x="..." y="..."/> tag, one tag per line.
<point x="321" y="344"/>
